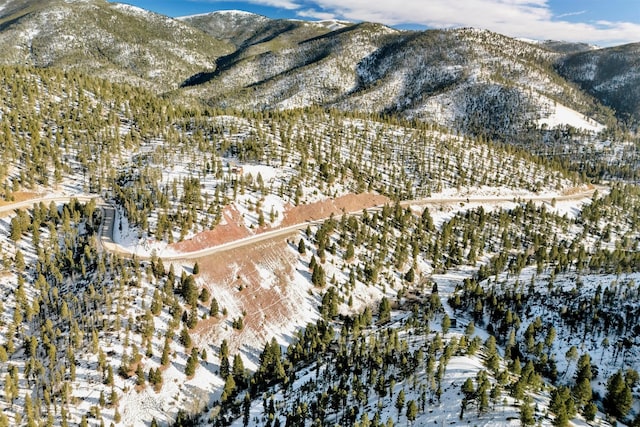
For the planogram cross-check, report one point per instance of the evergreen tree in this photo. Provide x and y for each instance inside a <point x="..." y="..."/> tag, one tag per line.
<point x="246" y="409"/>
<point x="228" y="392"/>
<point x="590" y="411"/>
<point x="192" y="363"/>
<point x="468" y="391"/>
<point x="213" y="310"/>
<point x="224" y="359"/>
<point x="527" y="412"/>
<point x="562" y="406"/>
<point x="270" y="369"/>
<point x="446" y="323"/>
<point x="384" y="310"/>
<point x="140" y="380"/>
<point x="400" y="403"/>
<point x="618" y="400"/>
<point x="166" y="349"/>
<point x="412" y="411"/>
<point x="238" y="372"/>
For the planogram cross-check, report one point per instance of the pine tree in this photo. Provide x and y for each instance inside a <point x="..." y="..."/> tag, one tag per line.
<point x="590" y="411"/>
<point x="109" y="380"/>
<point x="166" y="349"/>
<point x="618" y="399"/>
<point x="482" y="392"/>
<point x="204" y="295"/>
<point x="527" y="417"/>
<point x="400" y="403"/>
<point x="185" y="338"/>
<point x="213" y="310"/>
<point x="582" y="392"/>
<point x="468" y="390"/>
<point x="318" y="276"/>
<point x="224" y="359"/>
<point x="562" y="406"/>
<point x="350" y="252"/>
<point x="446" y="323"/>
<point x="229" y="389"/>
<point x="412" y="411"/>
<point x="192" y="363"/>
<point x="246" y="409"/>
<point x="140" y="375"/>
<point x="270" y="368"/>
<point x="384" y="310"/>
<point x="238" y="372"/>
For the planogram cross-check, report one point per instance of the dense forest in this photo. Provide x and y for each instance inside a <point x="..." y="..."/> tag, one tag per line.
<point x="534" y="298"/>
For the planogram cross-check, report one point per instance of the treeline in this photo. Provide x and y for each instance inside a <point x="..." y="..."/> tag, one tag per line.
<point x="172" y="168"/>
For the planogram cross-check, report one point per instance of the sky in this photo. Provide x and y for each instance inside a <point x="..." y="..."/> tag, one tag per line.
<point x="599" y="22"/>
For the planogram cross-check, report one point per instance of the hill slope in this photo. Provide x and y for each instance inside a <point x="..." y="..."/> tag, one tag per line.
<point x="459" y="78"/>
<point x="116" y="41"/>
<point x="611" y="75"/>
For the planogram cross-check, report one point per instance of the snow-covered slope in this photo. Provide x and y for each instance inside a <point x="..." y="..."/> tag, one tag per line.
<point x="112" y="40"/>
<point x="477" y="81"/>
<point x="611" y="75"/>
<point x="561" y="115"/>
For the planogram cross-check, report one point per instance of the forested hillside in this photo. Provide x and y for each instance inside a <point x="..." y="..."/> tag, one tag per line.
<point x="231" y="220"/>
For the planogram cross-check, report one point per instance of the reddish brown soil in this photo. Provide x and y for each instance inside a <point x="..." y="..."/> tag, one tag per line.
<point x="235" y="229"/>
<point x="234" y="273"/>
<point x="20" y="196"/>
<point x="323" y="209"/>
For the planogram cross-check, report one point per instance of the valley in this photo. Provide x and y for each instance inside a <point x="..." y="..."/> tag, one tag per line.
<point x="228" y="219"/>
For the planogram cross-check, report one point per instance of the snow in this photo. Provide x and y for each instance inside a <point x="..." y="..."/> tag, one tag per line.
<point x="561" y="115"/>
<point x="231" y="12"/>
<point x="137" y="242"/>
<point x="132" y="9"/>
<point x="334" y="24"/>
<point x="530" y="41"/>
<point x="269" y="205"/>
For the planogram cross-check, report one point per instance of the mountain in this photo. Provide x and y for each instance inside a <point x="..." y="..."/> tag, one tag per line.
<point x="612" y="75"/>
<point x="253" y="35"/>
<point x="297" y="223"/>
<point x="459" y="78"/>
<point x="182" y="180"/>
<point x="111" y="40"/>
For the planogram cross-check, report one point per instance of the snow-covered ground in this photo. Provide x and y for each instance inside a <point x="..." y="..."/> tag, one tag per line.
<point x="561" y="115"/>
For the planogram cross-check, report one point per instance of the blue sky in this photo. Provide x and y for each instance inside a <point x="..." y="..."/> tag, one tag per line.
<point x="601" y="22"/>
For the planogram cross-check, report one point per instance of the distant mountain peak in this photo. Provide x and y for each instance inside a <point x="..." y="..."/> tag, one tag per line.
<point x="230" y="12"/>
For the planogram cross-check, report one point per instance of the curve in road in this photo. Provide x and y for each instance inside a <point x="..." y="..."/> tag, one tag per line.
<point x="109" y="211"/>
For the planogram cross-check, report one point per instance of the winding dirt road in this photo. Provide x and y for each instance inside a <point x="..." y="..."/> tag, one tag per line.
<point x="106" y="228"/>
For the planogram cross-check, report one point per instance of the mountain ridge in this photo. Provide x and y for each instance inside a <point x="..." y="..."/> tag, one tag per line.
<point x="405" y="222"/>
<point x="243" y="60"/>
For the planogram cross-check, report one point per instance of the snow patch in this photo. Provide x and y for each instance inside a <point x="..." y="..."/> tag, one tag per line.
<point x="561" y="115"/>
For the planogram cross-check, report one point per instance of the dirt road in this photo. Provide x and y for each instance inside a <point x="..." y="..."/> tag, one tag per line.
<point x="106" y="228"/>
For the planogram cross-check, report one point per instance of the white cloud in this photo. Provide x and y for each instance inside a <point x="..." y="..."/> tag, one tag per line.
<point x="314" y="14"/>
<point x="517" y="18"/>
<point x="280" y="4"/>
<point x="564" y="15"/>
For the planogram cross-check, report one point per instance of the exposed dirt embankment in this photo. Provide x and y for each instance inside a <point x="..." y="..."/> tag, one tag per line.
<point x="233" y="228"/>
<point x="17" y="197"/>
<point x="257" y="284"/>
<point x="324" y="208"/>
